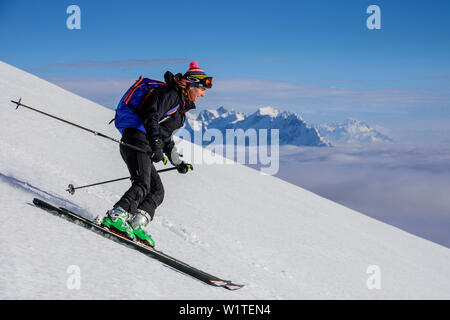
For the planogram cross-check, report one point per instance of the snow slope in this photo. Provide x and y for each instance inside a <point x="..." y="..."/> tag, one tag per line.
<point x="282" y="241"/>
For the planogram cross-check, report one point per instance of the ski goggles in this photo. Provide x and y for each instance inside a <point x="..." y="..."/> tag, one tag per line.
<point x="206" y="82"/>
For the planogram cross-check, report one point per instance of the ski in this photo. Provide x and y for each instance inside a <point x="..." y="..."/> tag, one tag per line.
<point x="147" y="250"/>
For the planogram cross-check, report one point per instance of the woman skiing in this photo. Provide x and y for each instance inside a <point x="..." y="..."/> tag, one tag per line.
<point x="151" y="127"/>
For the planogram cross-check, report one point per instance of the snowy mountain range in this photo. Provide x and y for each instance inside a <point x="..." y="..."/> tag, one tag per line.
<point x="351" y="131"/>
<point x="293" y="129"/>
<point x="280" y="240"/>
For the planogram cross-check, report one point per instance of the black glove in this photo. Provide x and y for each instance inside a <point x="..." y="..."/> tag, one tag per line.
<point x="184" y="167"/>
<point x="157" y="150"/>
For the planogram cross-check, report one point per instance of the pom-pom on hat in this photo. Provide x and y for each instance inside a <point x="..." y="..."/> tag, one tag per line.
<point x="196" y="77"/>
<point x="195" y="71"/>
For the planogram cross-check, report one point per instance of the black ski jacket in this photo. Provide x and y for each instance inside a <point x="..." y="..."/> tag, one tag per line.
<point x="153" y="115"/>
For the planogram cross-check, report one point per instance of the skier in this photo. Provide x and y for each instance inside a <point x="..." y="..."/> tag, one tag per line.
<point x="151" y="128"/>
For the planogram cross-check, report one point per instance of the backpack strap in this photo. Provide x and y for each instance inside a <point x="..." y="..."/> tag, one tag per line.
<point x="132" y="89"/>
<point x="112" y="120"/>
<point x="136" y="110"/>
<point x="128" y="96"/>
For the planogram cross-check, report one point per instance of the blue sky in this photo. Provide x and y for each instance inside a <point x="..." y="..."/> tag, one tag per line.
<point x="316" y="58"/>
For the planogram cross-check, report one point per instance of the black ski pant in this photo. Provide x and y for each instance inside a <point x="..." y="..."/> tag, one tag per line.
<point x="146" y="191"/>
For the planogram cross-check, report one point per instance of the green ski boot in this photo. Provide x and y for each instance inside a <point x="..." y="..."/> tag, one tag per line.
<point x="141" y="219"/>
<point x="117" y="218"/>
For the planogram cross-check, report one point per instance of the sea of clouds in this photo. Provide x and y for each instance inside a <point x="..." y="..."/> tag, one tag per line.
<point x="404" y="185"/>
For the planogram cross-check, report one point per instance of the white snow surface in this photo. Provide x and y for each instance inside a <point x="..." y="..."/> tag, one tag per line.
<point x="281" y="241"/>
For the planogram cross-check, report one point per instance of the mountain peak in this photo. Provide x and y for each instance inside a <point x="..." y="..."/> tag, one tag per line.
<point x="221" y="110"/>
<point x="268" y="111"/>
<point x="351" y="130"/>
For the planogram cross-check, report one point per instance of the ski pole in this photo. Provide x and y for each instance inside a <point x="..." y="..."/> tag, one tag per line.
<point x="71" y="189"/>
<point x="20" y="104"/>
